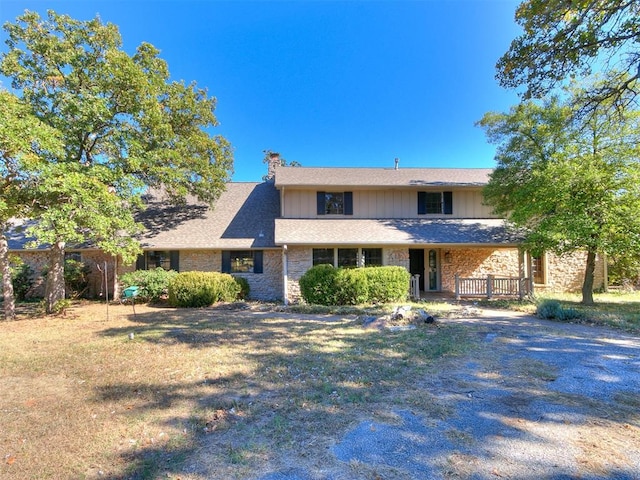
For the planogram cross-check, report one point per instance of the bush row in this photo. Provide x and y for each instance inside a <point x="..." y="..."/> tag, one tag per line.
<point x="326" y="285"/>
<point x="186" y="289"/>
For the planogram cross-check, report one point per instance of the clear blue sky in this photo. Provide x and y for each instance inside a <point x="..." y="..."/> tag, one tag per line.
<point x="328" y="83"/>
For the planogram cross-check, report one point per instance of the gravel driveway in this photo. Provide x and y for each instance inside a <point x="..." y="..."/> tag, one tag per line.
<point x="544" y="401"/>
<point x="536" y="400"/>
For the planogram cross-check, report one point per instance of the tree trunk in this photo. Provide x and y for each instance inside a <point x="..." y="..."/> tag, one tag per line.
<point x="55" y="288"/>
<point x="587" y="285"/>
<point x="7" y="285"/>
<point x="115" y="294"/>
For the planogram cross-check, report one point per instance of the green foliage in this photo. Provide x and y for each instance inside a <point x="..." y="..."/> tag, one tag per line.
<point x="351" y="286"/>
<point x="201" y="289"/>
<point x="326" y="285"/>
<point x="562" y="40"/>
<point x="553" y="309"/>
<point x="124" y="126"/>
<point x="568" y="183"/>
<point x="387" y="284"/>
<point x="76" y="278"/>
<point x="22" y="279"/>
<point x="244" y="287"/>
<point x="317" y="285"/>
<point x="154" y="284"/>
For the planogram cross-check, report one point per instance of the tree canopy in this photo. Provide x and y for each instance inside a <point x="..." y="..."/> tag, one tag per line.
<point x="569" y="183"/>
<point x="568" y="40"/>
<point x="124" y="124"/>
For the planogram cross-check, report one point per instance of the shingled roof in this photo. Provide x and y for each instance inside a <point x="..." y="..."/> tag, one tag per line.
<point x="243" y="217"/>
<point x="379" y="177"/>
<point x="394" y="232"/>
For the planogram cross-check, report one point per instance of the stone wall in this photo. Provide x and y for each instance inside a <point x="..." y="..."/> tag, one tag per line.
<point x="299" y="260"/>
<point x="478" y="263"/>
<point x="566" y="273"/>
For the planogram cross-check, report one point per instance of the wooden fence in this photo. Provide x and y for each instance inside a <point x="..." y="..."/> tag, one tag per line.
<point x="493" y="286"/>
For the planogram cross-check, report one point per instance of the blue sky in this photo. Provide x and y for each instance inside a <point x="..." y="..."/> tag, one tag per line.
<point x="328" y="83"/>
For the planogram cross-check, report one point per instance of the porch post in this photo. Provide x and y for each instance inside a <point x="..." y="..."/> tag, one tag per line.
<point x="457" y="286"/>
<point x="489" y="286"/>
<point x="285" y="276"/>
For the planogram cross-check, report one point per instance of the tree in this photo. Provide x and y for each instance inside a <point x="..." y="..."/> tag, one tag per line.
<point x="25" y="144"/>
<point x="125" y="127"/>
<point x="564" y="40"/>
<point x="570" y="183"/>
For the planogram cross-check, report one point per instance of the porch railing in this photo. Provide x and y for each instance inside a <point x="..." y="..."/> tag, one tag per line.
<point x="493" y="286"/>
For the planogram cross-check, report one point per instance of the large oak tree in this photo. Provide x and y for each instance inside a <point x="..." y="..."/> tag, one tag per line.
<point x="564" y="40"/>
<point x="570" y="183"/>
<point x="124" y="124"/>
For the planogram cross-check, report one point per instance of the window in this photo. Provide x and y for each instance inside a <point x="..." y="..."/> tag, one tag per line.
<point x="435" y="203"/>
<point x="537" y="269"/>
<point x="75" y="256"/>
<point x="335" y="203"/>
<point x="322" y="256"/>
<point x="371" y="257"/>
<point x="166" y="259"/>
<point x="242" y="261"/>
<point x="348" y="257"/>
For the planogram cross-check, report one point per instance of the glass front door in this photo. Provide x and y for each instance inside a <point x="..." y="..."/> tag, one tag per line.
<point x="432" y="271"/>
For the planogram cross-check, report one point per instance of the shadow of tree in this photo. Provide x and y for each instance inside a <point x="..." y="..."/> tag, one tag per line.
<point x="311" y="384"/>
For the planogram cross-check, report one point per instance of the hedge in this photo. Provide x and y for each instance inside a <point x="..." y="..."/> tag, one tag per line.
<point x="201" y="289"/>
<point x="326" y="285"/>
<point x="154" y="284"/>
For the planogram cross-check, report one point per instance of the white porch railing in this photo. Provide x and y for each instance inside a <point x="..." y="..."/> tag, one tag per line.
<point x="493" y="286"/>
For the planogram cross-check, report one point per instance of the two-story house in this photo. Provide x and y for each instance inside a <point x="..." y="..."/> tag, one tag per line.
<point x="431" y="221"/>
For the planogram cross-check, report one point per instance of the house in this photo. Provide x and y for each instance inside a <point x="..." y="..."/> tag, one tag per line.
<point x="432" y="221"/>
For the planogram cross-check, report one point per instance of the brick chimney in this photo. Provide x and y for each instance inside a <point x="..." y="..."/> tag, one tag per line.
<point x="274" y="161"/>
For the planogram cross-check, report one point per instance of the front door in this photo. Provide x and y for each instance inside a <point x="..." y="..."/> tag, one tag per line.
<point x="416" y="264"/>
<point x="432" y="270"/>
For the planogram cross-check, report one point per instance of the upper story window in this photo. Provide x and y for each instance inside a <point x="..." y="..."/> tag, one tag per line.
<point x="435" y="203"/>
<point x="335" y="203"/>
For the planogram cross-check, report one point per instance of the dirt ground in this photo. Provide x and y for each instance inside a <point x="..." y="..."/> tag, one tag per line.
<point x="539" y="400"/>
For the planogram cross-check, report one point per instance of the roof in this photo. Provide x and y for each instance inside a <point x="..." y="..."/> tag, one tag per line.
<point x="243" y="217"/>
<point x="379" y="177"/>
<point x="394" y="232"/>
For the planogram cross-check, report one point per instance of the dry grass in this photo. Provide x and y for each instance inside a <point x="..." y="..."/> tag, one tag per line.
<point x="82" y="399"/>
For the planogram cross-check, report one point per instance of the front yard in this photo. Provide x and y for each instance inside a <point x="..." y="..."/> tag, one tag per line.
<point x="231" y="392"/>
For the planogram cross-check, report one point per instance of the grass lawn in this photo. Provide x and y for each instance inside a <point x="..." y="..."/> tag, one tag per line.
<point x="134" y="396"/>
<point x="84" y="396"/>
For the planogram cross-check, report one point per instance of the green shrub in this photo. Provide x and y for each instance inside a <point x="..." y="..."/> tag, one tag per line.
<point x="201" y="289"/>
<point x="317" y="285"/>
<point x="552" y="309"/>
<point x="387" y="284"/>
<point x="154" y="284"/>
<point x="21" y="278"/>
<point x="325" y="285"/>
<point x="549" y="309"/>
<point x="244" y="287"/>
<point x="351" y="287"/>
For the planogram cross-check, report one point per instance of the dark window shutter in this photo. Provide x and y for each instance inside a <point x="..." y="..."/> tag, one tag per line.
<point x="422" y="203"/>
<point x="257" y="261"/>
<point x="321" y="205"/>
<point x="174" y="260"/>
<point x="348" y="203"/>
<point x="140" y="263"/>
<point x="226" y="261"/>
<point x="447" y="198"/>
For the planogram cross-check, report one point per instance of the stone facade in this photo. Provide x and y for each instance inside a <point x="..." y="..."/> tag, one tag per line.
<point x="478" y="263"/>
